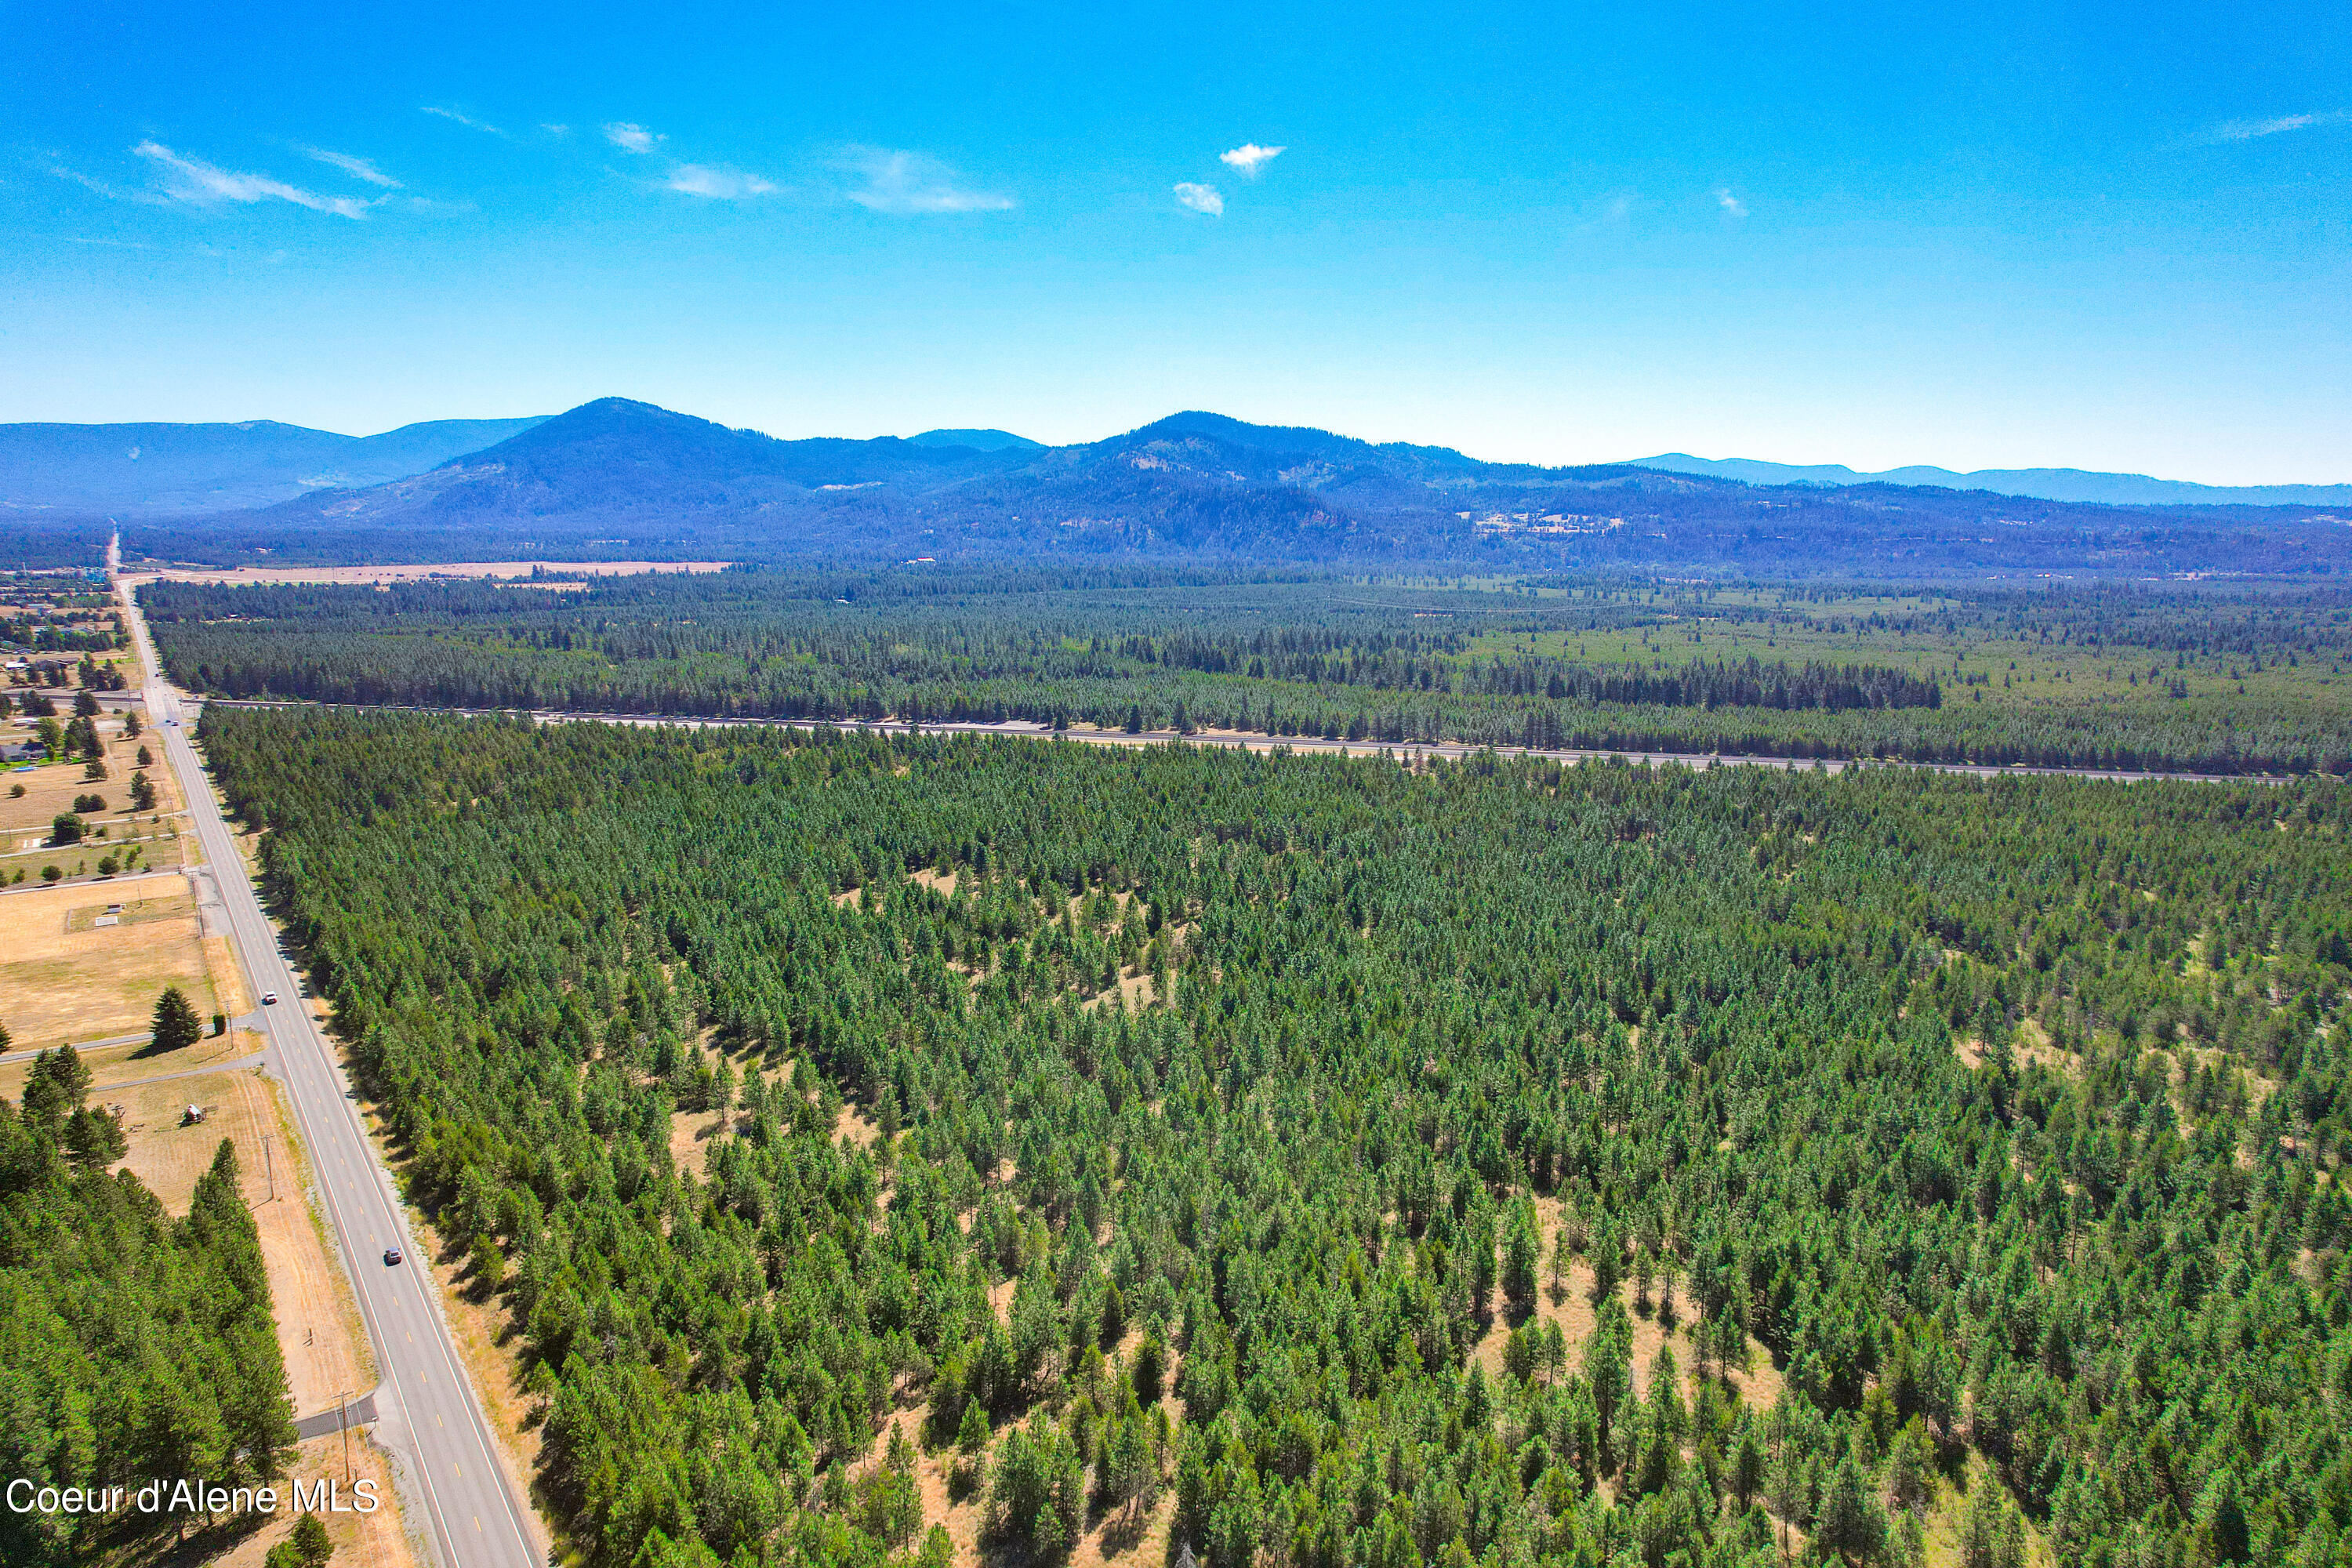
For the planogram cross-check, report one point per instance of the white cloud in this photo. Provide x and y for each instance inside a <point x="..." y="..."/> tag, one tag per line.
<point x="1732" y="206"/>
<point x="1201" y="199"/>
<point x="100" y="187"/>
<point x="465" y="119"/>
<point x="557" y="130"/>
<point x="2247" y="129"/>
<point x="1249" y="158"/>
<point x="724" y="185"/>
<point x="897" y="182"/>
<point x="358" y="168"/>
<point x="199" y="183"/>
<point x="631" y="138"/>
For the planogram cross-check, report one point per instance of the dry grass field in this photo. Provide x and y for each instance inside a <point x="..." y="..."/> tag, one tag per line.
<point x="168" y="1155"/>
<point x="59" y="985"/>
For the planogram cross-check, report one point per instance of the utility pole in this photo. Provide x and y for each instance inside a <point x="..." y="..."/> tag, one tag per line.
<point x="270" y="1166"/>
<point x="343" y="1422"/>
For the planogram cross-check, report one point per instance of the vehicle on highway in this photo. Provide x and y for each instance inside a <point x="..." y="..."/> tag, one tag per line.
<point x="391" y="1256"/>
<point x="269" y="998"/>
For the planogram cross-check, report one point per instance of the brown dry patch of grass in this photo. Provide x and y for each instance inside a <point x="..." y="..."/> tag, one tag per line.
<point x="857" y="1128"/>
<point x="1572" y="1310"/>
<point x="1134" y="990"/>
<point x="1116" y="1539"/>
<point x="129" y="912"/>
<point x="2032" y="1046"/>
<point x="168" y="1157"/>
<point x="319" y="1334"/>
<point x="378" y="1540"/>
<point x="690" y="1132"/>
<point x="690" y="1136"/>
<point x="59" y="985"/>
<point x="941" y="883"/>
<point x="228" y="976"/>
<point x="962" y="1519"/>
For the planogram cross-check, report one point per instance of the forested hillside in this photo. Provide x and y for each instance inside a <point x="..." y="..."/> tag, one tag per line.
<point x="1494" y="1164"/>
<point x="618" y="480"/>
<point x="2104" y="677"/>
<point x="133" y="1346"/>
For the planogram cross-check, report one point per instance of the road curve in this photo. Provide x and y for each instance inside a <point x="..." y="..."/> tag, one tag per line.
<point x="429" y="1415"/>
<point x="1252" y="742"/>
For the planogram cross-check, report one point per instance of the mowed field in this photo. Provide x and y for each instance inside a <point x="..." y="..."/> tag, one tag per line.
<point x="59" y="983"/>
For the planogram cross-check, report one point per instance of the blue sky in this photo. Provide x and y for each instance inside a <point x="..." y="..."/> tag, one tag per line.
<point x="2103" y="235"/>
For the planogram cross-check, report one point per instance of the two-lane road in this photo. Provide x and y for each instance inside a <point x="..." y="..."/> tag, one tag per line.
<point x="429" y="1414"/>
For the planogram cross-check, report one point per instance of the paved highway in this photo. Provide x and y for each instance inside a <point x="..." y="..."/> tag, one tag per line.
<point x="429" y="1416"/>
<point x="1028" y="730"/>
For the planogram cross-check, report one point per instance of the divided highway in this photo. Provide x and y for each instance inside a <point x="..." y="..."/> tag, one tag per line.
<point x="1455" y="750"/>
<point x="429" y="1413"/>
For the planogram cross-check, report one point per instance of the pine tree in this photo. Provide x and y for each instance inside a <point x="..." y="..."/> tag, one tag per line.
<point x="175" y="1023"/>
<point x="310" y="1540"/>
<point x="1521" y="1252"/>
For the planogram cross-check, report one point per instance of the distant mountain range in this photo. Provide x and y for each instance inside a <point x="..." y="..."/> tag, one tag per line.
<point x="978" y="440"/>
<point x="186" y="468"/>
<point x="621" y="479"/>
<point x="2048" y="484"/>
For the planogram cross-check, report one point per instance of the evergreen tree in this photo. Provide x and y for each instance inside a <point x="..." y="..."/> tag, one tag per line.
<point x="174" y="1024"/>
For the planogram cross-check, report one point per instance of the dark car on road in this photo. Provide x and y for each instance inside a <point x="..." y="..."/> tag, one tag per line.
<point x="391" y="1255"/>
